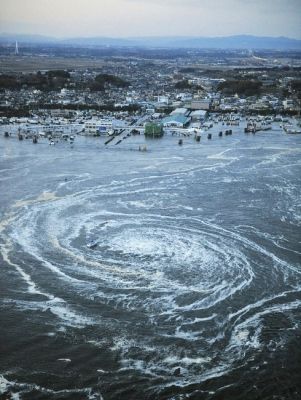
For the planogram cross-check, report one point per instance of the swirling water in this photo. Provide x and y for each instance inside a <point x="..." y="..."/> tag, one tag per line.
<point x="194" y="288"/>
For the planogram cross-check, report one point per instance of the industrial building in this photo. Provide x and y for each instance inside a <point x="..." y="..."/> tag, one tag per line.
<point x="198" y="115"/>
<point x="177" y="121"/>
<point x="98" y="127"/>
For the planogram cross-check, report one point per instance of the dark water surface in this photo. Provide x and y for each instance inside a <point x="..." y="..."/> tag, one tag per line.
<point x="194" y="289"/>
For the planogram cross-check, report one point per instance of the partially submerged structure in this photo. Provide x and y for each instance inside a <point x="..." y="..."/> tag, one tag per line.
<point x="152" y="129"/>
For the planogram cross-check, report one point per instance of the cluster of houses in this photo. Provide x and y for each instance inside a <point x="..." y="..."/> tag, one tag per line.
<point x="155" y="92"/>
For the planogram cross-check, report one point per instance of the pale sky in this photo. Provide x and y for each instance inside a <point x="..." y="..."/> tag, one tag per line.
<point x="124" y="18"/>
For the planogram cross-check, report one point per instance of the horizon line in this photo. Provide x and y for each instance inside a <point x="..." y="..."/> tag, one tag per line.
<point x="146" y="36"/>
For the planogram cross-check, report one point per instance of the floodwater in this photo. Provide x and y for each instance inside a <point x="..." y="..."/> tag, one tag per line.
<point x="193" y="290"/>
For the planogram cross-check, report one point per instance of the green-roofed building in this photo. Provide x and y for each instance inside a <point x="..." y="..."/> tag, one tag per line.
<point x="153" y="130"/>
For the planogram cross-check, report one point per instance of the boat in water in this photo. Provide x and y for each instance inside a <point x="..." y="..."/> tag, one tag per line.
<point x="292" y="130"/>
<point x="92" y="244"/>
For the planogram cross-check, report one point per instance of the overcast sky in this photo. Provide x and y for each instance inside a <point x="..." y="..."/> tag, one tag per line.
<point x="122" y="18"/>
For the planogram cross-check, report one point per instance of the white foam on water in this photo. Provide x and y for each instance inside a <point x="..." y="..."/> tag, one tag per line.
<point x="59" y="308"/>
<point x="43" y="197"/>
<point x="189" y="336"/>
<point x="16" y="390"/>
<point x="139" y="240"/>
<point x="167" y="267"/>
<point x="173" y="360"/>
<point x="241" y="333"/>
<point x="31" y="286"/>
<point x="221" y="156"/>
<point x="4" y="384"/>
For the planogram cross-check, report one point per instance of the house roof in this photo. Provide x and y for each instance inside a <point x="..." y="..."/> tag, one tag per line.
<point x="197" y="113"/>
<point x="179" y="111"/>
<point x="178" y="119"/>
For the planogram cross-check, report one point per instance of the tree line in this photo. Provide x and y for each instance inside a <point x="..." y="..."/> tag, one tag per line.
<point x="58" y="79"/>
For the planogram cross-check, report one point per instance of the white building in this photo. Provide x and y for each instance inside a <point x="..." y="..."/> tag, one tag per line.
<point x="201" y="104"/>
<point x="91" y="128"/>
<point x="184" y="96"/>
<point x="163" y="99"/>
<point x="198" y="115"/>
<point x="180" y="111"/>
<point x="98" y="127"/>
<point x="288" y="104"/>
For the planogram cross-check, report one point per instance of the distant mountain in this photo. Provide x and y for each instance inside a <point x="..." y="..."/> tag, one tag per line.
<point x="228" y="42"/>
<point x="100" y="41"/>
<point x="243" y="42"/>
<point x="8" y="38"/>
<point x="247" y="42"/>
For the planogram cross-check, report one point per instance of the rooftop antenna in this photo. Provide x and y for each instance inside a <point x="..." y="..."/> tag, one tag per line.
<point x="16" y="49"/>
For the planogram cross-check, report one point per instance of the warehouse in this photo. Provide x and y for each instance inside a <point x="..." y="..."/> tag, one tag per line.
<point x="198" y="115"/>
<point x="177" y="121"/>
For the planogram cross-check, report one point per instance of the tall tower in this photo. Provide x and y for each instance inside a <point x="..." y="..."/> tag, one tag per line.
<point x="16" y="49"/>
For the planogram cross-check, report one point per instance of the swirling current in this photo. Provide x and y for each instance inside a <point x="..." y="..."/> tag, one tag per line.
<point x="193" y="290"/>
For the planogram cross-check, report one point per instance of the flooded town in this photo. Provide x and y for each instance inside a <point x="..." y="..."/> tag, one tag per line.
<point x="150" y="204"/>
<point x="185" y="94"/>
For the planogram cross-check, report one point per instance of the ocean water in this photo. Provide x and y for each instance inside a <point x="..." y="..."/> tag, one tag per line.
<point x="194" y="288"/>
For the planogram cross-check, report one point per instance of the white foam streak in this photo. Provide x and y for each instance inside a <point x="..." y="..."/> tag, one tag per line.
<point x="17" y="389"/>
